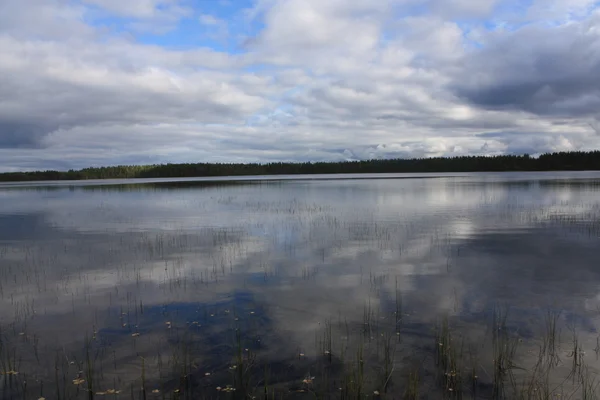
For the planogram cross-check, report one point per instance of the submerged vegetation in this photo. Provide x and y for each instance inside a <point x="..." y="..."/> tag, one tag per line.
<point x="567" y="161"/>
<point x="346" y="361"/>
<point x="295" y="290"/>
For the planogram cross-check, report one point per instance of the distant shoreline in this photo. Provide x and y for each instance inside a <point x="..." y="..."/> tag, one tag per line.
<point x="564" y="161"/>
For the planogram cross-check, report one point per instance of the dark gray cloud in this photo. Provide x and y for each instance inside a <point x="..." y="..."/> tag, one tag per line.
<point x="545" y="70"/>
<point x="20" y="134"/>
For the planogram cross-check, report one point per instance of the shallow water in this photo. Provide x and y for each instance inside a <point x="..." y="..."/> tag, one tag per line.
<point x="175" y="285"/>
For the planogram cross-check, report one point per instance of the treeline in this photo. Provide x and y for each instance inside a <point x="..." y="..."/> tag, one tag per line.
<point x="568" y="161"/>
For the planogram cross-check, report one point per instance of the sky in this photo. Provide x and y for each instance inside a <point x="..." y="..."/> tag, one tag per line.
<point x="107" y="82"/>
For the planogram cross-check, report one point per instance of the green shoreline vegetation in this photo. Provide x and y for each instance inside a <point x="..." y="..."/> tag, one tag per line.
<point x="563" y="161"/>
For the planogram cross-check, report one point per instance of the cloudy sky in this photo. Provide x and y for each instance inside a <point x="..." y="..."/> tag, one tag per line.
<point x="102" y="82"/>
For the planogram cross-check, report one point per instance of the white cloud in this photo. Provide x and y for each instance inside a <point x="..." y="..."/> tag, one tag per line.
<point x="43" y="20"/>
<point x="217" y="28"/>
<point x="311" y="32"/>
<point x="207" y="19"/>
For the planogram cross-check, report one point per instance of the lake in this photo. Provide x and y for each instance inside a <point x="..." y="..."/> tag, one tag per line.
<point x="479" y="285"/>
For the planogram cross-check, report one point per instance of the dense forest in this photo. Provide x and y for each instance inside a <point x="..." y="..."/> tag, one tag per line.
<point x="568" y="161"/>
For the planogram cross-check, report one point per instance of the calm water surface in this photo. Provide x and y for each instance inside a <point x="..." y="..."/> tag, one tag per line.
<point x="169" y="289"/>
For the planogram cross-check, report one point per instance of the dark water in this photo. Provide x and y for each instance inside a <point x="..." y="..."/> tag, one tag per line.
<point x="171" y="288"/>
